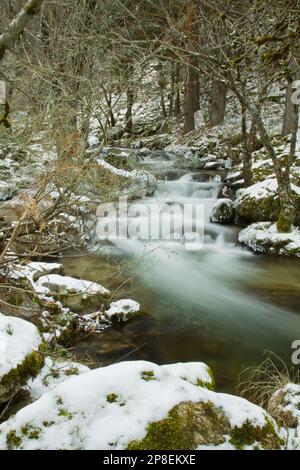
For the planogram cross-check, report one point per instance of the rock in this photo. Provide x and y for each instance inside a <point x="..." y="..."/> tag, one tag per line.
<point x="284" y="406"/>
<point x="138" y="405"/>
<point x="123" y="310"/>
<point x="223" y="211"/>
<point x="264" y="238"/>
<point x="260" y="202"/>
<point x="7" y="190"/>
<point x="120" y="311"/>
<point x="76" y="294"/>
<point x="20" y="358"/>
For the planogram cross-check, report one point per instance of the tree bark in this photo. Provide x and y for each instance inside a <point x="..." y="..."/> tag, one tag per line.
<point x="247" y="155"/>
<point x="289" y="111"/>
<point x="217" y="103"/>
<point x="191" y="92"/>
<point x="17" y="25"/>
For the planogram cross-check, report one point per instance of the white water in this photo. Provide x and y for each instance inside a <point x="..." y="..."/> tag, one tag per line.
<point x="203" y="285"/>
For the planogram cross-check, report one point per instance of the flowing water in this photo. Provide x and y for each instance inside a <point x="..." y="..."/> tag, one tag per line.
<point x="206" y="298"/>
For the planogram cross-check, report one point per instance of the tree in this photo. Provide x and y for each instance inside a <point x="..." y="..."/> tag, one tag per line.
<point x="11" y="35"/>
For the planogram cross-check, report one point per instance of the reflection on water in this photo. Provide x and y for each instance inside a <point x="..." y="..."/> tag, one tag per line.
<point x="222" y="305"/>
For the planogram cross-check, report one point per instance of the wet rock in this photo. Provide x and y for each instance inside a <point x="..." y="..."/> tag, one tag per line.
<point x="223" y="211"/>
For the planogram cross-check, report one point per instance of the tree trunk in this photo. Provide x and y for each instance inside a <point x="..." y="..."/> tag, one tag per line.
<point x="189" y="102"/>
<point x="289" y="111"/>
<point x="191" y="92"/>
<point x="247" y="155"/>
<point x="287" y="212"/>
<point x="217" y="103"/>
<point x="162" y="86"/>
<point x="18" y="24"/>
<point x="128" y="115"/>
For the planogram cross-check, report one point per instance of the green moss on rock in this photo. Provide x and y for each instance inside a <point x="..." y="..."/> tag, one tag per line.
<point x="11" y="383"/>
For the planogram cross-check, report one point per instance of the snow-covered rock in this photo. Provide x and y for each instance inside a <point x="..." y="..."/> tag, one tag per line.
<point x="260" y="202"/>
<point x="143" y="180"/>
<point x="284" y="406"/>
<point x="53" y="373"/>
<point x="223" y="211"/>
<point x="123" y="310"/>
<point x="75" y="294"/>
<point x="119" y="311"/>
<point x="19" y="355"/>
<point x="33" y="270"/>
<point x="264" y="238"/>
<point x="138" y="405"/>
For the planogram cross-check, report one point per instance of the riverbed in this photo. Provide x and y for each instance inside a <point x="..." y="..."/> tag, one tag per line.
<point x="215" y="302"/>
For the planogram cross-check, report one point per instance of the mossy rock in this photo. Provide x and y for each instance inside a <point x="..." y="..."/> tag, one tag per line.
<point x="12" y="382"/>
<point x="189" y="425"/>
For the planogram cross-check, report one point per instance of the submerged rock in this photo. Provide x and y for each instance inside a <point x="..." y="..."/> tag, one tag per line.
<point x="139" y="405"/>
<point x="223" y="211"/>
<point x="20" y="358"/>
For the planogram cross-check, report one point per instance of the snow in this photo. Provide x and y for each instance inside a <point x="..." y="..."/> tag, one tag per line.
<point x="264" y="237"/>
<point x="266" y="188"/>
<point x="83" y="417"/>
<point x="33" y="269"/>
<point x="52" y="374"/>
<point x="123" y="307"/>
<point x="192" y="372"/>
<point x="18" y="338"/>
<point x="68" y="284"/>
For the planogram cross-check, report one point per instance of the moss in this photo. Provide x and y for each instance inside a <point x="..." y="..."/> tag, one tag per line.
<point x="249" y="434"/>
<point x="65" y="413"/>
<point x="112" y="398"/>
<point x="11" y="383"/>
<point x="31" y="8"/>
<point x="148" y="375"/>
<point x="186" y="426"/>
<point x="209" y="385"/>
<point x="48" y="424"/>
<point x="166" y="434"/>
<point x="13" y="441"/>
<point x="31" y="432"/>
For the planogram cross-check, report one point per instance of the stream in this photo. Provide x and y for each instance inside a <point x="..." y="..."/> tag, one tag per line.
<point x="218" y="303"/>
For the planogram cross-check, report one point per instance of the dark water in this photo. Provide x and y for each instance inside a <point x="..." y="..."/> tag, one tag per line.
<point x="221" y="305"/>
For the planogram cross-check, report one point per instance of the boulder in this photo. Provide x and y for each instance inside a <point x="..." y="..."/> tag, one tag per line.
<point x="223" y="211"/>
<point x="260" y="202"/>
<point x="20" y="357"/>
<point x="139" y="405"/>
